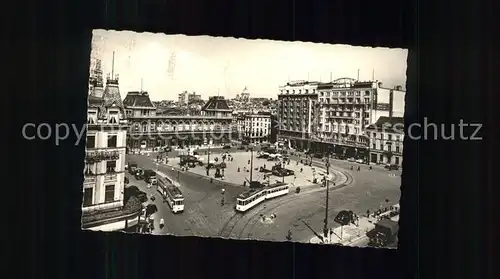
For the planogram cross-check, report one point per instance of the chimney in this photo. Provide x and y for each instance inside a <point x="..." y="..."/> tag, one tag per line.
<point x="380" y="84"/>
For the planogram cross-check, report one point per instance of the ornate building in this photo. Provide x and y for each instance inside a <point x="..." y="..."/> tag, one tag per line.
<point x="103" y="207"/>
<point x="149" y="131"/>
<point x="333" y="116"/>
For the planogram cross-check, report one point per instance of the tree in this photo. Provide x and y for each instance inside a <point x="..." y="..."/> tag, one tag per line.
<point x="266" y="103"/>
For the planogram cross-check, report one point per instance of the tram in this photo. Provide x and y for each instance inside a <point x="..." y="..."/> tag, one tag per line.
<point x="250" y="198"/>
<point x="171" y="193"/>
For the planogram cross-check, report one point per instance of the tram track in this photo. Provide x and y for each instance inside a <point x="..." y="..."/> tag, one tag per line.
<point x="349" y="180"/>
<point x="229" y="226"/>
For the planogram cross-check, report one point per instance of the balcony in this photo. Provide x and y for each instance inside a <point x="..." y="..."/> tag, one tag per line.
<point x="110" y="177"/>
<point x="89" y="178"/>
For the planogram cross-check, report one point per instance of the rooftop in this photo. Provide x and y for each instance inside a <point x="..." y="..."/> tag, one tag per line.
<point x="138" y="99"/>
<point x="387" y="122"/>
<point x="216" y="103"/>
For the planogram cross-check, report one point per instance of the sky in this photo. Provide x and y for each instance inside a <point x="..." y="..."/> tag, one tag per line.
<point x="210" y="66"/>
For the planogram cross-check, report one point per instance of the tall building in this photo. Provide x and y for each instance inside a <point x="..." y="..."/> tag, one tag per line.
<point x="193" y="98"/>
<point x="333" y="116"/>
<point x="296" y="113"/>
<point x="386" y="140"/>
<point x="257" y="128"/>
<point x="103" y="207"/>
<point x="150" y="131"/>
<point x="183" y="98"/>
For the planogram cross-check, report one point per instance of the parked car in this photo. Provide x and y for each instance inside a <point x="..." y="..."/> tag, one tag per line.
<point x="264" y="170"/>
<point x="283" y="172"/>
<point x="139" y="174"/>
<point x="351" y="159"/>
<point x="318" y="155"/>
<point x="360" y="161"/>
<point x="150" y="176"/>
<point x="392" y="167"/>
<point x="226" y="146"/>
<point x="132" y="166"/>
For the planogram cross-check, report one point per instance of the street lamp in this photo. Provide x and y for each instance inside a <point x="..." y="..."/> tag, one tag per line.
<point x="325" y="228"/>
<point x="208" y="160"/>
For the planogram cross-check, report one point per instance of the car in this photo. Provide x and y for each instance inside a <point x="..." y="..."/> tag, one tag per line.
<point x="264" y="170"/>
<point x="241" y="147"/>
<point x="139" y="174"/>
<point x="132" y="166"/>
<point x="392" y="167"/>
<point x="226" y="146"/>
<point x="360" y="161"/>
<point x="351" y="159"/>
<point x="167" y="149"/>
<point x="150" y="176"/>
<point x="318" y="155"/>
<point x="283" y="172"/>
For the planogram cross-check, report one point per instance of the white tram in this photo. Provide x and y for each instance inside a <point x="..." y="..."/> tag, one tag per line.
<point x="172" y="194"/>
<point x="253" y="197"/>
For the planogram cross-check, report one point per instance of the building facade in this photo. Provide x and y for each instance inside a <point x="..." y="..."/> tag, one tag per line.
<point x="386" y="140"/>
<point x="193" y="97"/>
<point x="257" y="128"/>
<point x="296" y="113"/>
<point x="149" y="131"/>
<point x="332" y="117"/>
<point x="183" y="98"/>
<point x="103" y="207"/>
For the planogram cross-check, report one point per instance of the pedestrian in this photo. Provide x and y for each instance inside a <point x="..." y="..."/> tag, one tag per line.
<point x="370" y="167"/>
<point x="359" y="168"/>
<point x="162" y="223"/>
<point x="301" y="169"/>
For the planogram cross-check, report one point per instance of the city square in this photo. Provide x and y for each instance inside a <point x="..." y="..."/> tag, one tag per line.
<point x="301" y="160"/>
<point x="206" y="216"/>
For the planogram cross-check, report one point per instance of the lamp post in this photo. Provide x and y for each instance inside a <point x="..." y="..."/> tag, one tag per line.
<point x="208" y="160"/>
<point x="251" y="163"/>
<point x="325" y="228"/>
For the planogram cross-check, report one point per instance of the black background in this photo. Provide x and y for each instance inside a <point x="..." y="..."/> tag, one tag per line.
<point x="444" y="234"/>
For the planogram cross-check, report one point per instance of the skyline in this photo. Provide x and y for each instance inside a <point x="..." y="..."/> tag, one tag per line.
<point x="171" y="64"/>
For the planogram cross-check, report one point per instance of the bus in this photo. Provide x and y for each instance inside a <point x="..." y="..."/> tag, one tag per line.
<point x="170" y="193"/>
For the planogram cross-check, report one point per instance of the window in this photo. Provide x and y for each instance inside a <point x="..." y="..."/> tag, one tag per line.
<point x="396" y="160"/>
<point x="90" y="141"/>
<point x="89" y="169"/>
<point x="374" y="146"/>
<point x="109" y="194"/>
<point x="112" y="140"/>
<point x="88" y="196"/>
<point x="113" y="117"/>
<point x="389" y="137"/>
<point x="91" y="118"/>
<point x="110" y="166"/>
<point x="397" y="149"/>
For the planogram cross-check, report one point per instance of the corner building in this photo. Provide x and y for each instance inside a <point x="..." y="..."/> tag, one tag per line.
<point x="296" y="113"/>
<point x="103" y="207"/>
<point x="332" y="117"/>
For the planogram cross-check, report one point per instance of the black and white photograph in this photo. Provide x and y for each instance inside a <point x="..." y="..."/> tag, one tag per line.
<point x="244" y="139"/>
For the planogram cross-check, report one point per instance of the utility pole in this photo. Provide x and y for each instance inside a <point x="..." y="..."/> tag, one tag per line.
<point x="325" y="228"/>
<point x="251" y="164"/>
<point x="208" y="160"/>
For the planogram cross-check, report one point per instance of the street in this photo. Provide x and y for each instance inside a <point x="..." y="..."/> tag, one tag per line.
<point x="204" y="215"/>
